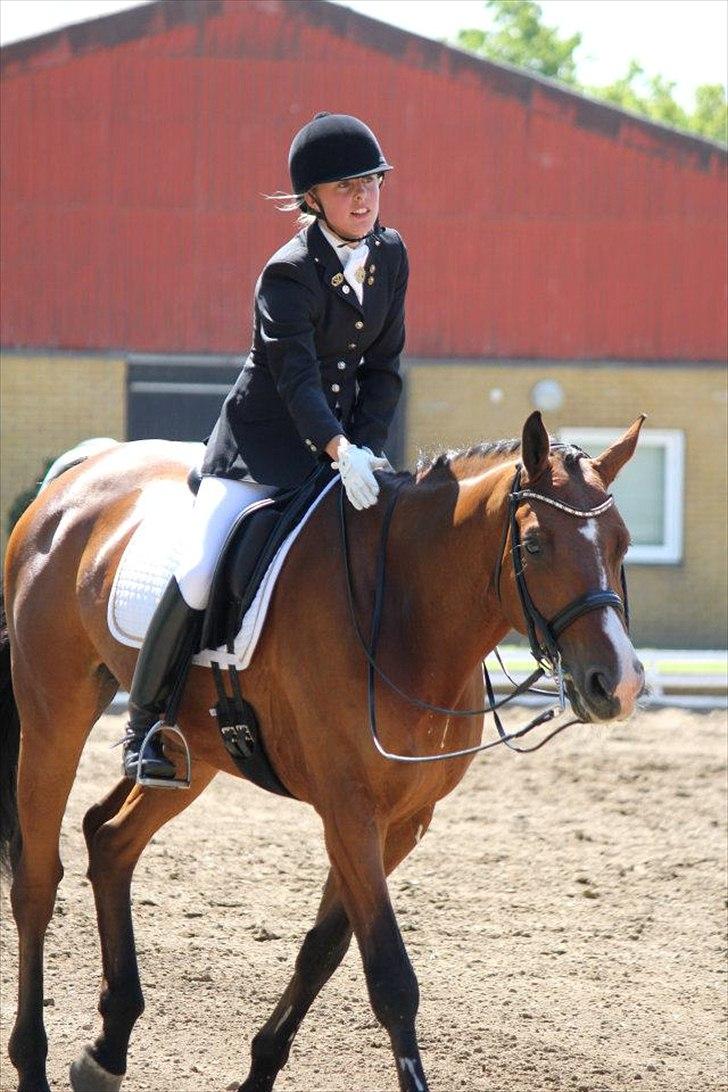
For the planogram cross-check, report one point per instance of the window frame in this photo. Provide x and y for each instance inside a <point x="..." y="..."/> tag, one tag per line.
<point x="672" y="441"/>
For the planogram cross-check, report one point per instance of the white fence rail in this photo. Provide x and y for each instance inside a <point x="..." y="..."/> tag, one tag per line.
<point x="695" y="679"/>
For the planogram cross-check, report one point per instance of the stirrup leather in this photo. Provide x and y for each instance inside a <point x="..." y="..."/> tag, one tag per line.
<point x="164" y="782"/>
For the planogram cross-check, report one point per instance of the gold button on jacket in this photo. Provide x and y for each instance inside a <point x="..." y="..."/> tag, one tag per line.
<point x="305" y="327"/>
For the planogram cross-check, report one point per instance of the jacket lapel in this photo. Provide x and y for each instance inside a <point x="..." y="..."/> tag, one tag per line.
<point x="375" y="283"/>
<point x="333" y="274"/>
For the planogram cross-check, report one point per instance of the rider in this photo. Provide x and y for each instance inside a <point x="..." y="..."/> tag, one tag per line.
<point x="321" y="382"/>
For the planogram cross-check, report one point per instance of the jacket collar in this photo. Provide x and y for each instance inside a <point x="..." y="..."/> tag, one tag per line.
<point x="326" y="259"/>
<point x="328" y="263"/>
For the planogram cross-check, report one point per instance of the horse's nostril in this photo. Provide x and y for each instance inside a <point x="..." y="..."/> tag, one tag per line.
<point x="641" y="678"/>
<point x="598" y="685"/>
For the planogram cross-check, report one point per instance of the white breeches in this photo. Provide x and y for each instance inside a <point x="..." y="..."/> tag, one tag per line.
<point x="219" y="501"/>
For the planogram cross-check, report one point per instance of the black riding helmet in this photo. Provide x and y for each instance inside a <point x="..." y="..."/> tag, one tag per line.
<point x="332" y="147"/>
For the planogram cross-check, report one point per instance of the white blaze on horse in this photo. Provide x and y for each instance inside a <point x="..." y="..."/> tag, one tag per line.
<point x="475" y="546"/>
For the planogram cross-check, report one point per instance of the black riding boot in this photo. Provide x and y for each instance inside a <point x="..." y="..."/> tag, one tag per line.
<point x="168" y="647"/>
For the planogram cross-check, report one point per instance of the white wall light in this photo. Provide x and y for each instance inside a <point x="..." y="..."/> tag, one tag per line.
<point x="547" y="394"/>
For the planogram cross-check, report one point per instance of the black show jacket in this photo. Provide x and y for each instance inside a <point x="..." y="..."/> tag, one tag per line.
<point x="320" y="364"/>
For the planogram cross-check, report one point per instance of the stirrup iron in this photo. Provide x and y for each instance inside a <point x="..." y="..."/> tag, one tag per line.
<point x="164" y="782"/>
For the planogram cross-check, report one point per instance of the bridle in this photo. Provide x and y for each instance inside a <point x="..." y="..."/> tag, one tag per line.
<point x="545" y="650"/>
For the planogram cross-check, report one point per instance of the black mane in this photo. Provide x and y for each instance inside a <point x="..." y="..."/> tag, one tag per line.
<point x="493" y="449"/>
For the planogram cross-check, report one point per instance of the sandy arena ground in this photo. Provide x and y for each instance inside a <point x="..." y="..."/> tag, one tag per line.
<point x="564" y="915"/>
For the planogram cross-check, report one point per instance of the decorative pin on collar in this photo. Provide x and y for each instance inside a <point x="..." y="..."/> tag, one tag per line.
<point x="337" y="279"/>
<point x="360" y="275"/>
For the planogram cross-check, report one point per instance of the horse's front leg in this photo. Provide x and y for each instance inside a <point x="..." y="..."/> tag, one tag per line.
<point x="357" y="854"/>
<point x="115" y="843"/>
<point x="321" y="953"/>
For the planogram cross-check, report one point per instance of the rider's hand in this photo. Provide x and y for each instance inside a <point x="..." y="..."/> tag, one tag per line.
<point x="356" y="466"/>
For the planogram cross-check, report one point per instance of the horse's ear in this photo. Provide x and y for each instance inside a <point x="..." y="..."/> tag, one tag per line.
<point x="535" y="446"/>
<point x="611" y="461"/>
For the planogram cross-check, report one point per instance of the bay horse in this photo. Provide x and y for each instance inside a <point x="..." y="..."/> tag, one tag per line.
<point x="458" y="551"/>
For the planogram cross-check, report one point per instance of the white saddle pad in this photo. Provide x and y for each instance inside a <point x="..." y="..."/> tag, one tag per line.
<point x="150" y="560"/>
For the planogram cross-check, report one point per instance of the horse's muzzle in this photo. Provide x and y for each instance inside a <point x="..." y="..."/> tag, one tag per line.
<point x="603" y="692"/>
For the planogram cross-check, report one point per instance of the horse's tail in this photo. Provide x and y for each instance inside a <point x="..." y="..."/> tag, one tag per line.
<point x="9" y="747"/>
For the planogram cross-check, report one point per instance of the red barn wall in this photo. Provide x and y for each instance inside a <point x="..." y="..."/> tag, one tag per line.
<point x="540" y="225"/>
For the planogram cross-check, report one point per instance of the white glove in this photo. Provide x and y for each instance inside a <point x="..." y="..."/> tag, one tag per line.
<point x="356" y="466"/>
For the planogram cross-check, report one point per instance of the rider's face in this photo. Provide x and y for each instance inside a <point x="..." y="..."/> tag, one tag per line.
<point x="351" y="206"/>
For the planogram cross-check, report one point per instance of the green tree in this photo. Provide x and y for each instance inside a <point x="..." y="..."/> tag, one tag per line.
<point x="520" y="38"/>
<point x="26" y="497"/>
<point x="642" y="94"/>
<point x="710" y="117"/>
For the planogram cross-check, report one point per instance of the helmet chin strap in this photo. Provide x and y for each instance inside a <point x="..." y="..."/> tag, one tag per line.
<point x="335" y="231"/>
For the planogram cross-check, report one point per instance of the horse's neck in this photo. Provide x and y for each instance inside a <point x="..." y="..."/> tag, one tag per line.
<point x="441" y="597"/>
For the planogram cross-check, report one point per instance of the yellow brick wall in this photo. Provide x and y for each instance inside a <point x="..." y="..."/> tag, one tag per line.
<point x="48" y="403"/>
<point x="457" y="404"/>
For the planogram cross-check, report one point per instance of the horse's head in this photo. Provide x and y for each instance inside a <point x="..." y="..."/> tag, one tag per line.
<point x="562" y="579"/>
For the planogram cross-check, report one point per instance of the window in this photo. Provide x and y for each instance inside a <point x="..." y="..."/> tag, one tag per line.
<point x="648" y="491"/>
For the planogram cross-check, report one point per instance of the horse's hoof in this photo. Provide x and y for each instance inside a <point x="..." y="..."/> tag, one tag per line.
<point x="257" y="1084"/>
<point x="88" y="1076"/>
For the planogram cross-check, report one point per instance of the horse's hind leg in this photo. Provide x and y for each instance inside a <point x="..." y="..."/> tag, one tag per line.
<point x="54" y="728"/>
<point x="115" y="843"/>
<point x="321" y="953"/>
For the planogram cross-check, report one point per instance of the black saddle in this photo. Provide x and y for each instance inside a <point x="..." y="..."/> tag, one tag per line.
<point x="248" y="551"/>
<point x="245" y="557"/>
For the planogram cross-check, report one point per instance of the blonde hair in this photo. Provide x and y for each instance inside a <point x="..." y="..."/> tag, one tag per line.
<point x="293" y="202"/>
<point x="296" y="202"/>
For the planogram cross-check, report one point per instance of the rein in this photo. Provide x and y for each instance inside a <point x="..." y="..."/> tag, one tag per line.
<point x="547" y="654"/>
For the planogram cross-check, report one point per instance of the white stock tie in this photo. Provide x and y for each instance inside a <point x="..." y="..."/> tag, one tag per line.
<point x="356" y="260"/>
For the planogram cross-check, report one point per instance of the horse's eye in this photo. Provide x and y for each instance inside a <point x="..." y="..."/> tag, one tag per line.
<point x="532" y="546"/>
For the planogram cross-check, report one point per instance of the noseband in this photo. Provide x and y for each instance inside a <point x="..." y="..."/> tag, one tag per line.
<point x="545" y="650"/>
